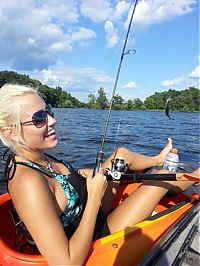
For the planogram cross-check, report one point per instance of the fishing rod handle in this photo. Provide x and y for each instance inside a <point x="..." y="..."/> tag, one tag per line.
<point x="140" y="177"/>
<point x="99" y="159"/>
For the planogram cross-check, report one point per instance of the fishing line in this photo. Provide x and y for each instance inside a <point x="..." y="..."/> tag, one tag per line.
<point x="118" y="128"/>
<point x="100" y="154"/>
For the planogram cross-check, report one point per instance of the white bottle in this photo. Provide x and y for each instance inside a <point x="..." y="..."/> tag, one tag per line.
<point x="171" y="160"/>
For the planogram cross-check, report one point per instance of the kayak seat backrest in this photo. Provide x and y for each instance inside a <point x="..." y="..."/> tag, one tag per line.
<point x="7" y="228"/>
<point x="22" y="237"/>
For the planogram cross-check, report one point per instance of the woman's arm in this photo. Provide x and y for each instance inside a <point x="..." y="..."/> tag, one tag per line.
<point x="36" y="206"/>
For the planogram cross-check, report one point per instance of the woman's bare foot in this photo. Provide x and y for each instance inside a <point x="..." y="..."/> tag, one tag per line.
<point x="164" y="152"/>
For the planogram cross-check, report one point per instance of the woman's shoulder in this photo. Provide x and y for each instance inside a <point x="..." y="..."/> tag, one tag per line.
<point x="26" y="181"/>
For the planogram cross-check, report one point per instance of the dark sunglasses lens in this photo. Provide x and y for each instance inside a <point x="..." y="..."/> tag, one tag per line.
<point x="39" y="118"/>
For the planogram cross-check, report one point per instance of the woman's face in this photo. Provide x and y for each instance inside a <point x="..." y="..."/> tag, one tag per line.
<point x="41" y="138"/>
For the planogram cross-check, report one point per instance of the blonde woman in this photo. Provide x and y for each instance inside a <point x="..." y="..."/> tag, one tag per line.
<point x="62" y="213"/>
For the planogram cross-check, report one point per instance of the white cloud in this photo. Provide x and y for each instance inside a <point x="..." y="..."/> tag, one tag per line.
<point x="157" y="11"/>
<point x="173" y="82"/>
<point x="147" y="12"/>
<point x="102" y="10"/>
<point x="83" y="34"/>
<point x="130" y="85"/>
<point x="96" y="10"/>
<point x="77" y="81"/>
<point x="122" y="8"/>
<point x="36" y="33"/>
<point x="195" y="74"/>
<point x="187" y="80"/>
<point x="62" y="11"/>
<point x="111" y="34"/>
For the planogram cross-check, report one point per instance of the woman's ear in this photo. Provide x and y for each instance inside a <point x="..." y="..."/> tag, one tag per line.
<point x="6" y="132"/>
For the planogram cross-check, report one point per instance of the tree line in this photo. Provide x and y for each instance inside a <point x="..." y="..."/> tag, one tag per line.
<point x="187" y="100"/>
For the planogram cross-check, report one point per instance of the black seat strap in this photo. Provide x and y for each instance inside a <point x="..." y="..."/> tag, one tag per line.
<point x="21" y="229"/>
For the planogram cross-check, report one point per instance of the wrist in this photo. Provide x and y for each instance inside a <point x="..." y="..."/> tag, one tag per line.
<point x="94" y="201"/>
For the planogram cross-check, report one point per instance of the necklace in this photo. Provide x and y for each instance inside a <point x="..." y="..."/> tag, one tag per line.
<point x="48" y="167"/>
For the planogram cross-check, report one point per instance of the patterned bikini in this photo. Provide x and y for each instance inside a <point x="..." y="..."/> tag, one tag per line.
<point x="74" y="186"/>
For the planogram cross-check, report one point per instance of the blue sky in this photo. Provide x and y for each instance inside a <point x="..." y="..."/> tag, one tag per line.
<point x="77" y="44"/>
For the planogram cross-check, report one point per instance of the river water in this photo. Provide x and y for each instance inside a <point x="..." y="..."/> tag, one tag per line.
<point x="80" y="133"/>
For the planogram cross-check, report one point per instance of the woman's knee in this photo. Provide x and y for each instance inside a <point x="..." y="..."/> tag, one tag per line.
<point x="121" y="152"/>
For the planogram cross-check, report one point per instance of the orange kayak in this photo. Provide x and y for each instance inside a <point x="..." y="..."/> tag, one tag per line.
<point x="126" y="247"/>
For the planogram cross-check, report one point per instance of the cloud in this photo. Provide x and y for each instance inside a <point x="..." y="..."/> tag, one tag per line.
<point x="122" y="8"/>
<point x="158" y="11"/>
<point x="173" y="82"/>
<point x="187" y="80"/>
<point x="96" y="10"/>
<point x="83" y="34"/>
<point x="130" y="85"/>
<point x="147" y="13"/>
<point x="111" y="34"/>
<point x="62" y="11"/>
<point x="36" y="33"/>
<point x="102" y="10"/>
<point x="99" y="11"/>
<point x="78" y="81"/>
<point x="195" y="74"/>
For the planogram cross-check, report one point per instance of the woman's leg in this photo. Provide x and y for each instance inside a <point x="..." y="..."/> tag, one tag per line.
<point x="136" y="162"/>
<point x="140" y="204"/>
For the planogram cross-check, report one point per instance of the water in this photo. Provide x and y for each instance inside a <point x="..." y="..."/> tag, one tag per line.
<point x="80" y="133"/>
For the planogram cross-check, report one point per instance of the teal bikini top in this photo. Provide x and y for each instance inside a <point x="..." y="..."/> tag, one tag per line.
<point x="73" y="208"/>
<point x="72" y="185"/>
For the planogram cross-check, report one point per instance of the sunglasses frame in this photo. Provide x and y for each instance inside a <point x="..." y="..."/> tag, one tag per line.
<point x="39" y="121"/>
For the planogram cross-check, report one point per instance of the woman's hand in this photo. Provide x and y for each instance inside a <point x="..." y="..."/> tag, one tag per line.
<point x="86" y="172"/>
<point x="96" y="186"/>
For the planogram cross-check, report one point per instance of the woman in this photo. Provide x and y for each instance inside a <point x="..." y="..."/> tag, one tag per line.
<point x="63" y="215"/>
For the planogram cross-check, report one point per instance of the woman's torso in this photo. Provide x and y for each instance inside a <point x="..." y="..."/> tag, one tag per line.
<point x="65" y="184"/>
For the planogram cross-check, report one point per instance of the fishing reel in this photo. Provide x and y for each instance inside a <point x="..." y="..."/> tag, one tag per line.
<point x="118" y="168"/>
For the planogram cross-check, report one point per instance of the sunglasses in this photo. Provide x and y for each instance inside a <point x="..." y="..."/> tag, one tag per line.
<point x="40" y="118"/>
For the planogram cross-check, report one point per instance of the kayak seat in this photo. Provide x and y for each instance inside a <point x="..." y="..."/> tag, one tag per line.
<point x="22" y="237"/>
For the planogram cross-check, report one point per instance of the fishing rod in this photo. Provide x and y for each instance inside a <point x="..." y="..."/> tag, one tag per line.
<point x="100" y="154"/>
<point x="140" y="177"/>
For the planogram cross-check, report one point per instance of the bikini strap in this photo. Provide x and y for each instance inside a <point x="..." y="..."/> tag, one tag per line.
<point x="37" y="167"/>
<point x="9" y="164"/>
<point x="67" y="164"/>
<point x="12" y="164"/>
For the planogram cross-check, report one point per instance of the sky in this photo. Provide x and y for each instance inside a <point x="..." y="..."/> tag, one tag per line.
<point x="77" y="44"/>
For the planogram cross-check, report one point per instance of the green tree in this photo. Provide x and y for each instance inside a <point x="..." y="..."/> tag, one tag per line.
<point x="101" y="100"/>
<point x="138" y="104"/>
<point x="56" y="97"/>
<point x="155" y="101"/>
<point x="118" y="102"/>
<point x="91" y="101"/>
<point x="130" y="105"/>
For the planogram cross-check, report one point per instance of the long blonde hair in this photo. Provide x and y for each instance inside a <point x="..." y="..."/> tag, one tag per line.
<point x="10" y="115"/>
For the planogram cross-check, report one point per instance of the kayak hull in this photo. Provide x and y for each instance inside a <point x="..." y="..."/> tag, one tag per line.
<point x="126" y="247"/>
